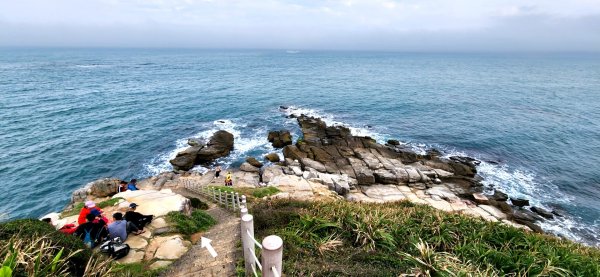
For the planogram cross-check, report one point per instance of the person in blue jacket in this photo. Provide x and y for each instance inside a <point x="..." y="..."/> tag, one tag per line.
<point x="132" y="185"/>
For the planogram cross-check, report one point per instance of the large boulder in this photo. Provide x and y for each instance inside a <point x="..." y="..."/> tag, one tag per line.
<point x="280" y="139"/>
<point x="157" y="203"/>
<point x="99" y="188"/>
<point x="519" y="202"/>
<point x="247" y="167"/>
<point x="272" y="157"/>
<point x="542" y="212"/>
<point x="219" y="145"/>
<point x="306" y="162"/>
<point x="292" y="152"/>
<point x="253" y="161"/>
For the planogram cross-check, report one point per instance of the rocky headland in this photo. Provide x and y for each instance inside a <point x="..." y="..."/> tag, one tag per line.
<point x="326" y="163"/>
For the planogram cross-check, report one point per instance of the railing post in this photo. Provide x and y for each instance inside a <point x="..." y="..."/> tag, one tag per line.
<point x="244" y="201"/>
<point x="214" y="194"/>
<point x="247" y="226"/>
<point x="243" y="212"/>
<point x="272" y="256"/>
<point x="226" y="200"/>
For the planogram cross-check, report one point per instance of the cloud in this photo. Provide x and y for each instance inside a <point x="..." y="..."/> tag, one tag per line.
<point x="411" y="25"/>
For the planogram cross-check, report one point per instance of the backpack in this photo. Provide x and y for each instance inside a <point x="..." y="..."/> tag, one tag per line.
<point x="115" y="248"/>
<point x="87" y="239"/>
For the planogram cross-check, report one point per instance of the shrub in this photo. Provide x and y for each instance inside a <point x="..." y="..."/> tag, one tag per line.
<point x="187" y="225"/>
<point x="36" y="238"/>
<point x="355" y="239"/>
<point x="198" y="204"/>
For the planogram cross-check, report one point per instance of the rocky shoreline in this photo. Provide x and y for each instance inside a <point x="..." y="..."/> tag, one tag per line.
<point x="326" y="163"/>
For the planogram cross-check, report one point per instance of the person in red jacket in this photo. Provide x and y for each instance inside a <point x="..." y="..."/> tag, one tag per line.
<point x="89" y="206"/>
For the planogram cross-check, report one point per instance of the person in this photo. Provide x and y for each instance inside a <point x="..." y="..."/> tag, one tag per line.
<point x="122" y="187"/>
<point x="217" y="171"/>
<point x="132" y="185"/>
<point x="91" y="233"/>
<point x="99" y="215"/>
<point x="228" y="180"/>
<point x="87" y="208"/>
<point x="136" y="218"/>
<point x="65" y="229"/>
<point x="120" y="228"/>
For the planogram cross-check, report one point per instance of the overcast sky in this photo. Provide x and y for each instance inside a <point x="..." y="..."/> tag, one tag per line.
<point x="411" y="25"/>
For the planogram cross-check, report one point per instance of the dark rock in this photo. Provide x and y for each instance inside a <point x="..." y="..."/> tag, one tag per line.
<point x="542" y="212"/>
<point x="219" y="145"/>
<point x="292" y="152"/>
<point x="433" y="154"/>
<point x="519" y="202"/>
<point x="393" y="142"/>
<point x="254" y="162"/>
<point x="284" y="107"/>
<point x="185" y="159"/>
<point x="525" y="214"/>
<point x="385" y="177"/>
<point x="280" y="139"/>
<point x="499" y="196"/>
<point x="272" y="157"/>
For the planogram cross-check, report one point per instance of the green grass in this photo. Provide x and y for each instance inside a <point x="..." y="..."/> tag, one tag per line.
<point x="262" y="192"/>
<point x="224" y="188"/>
<point x="79" y="205"/>
<point x="74" y="211"/>
<point x="187" y="225"/>
<point x="349" y="239"/>
<point x="136" y="269"/>
<point x="109" y="202"/>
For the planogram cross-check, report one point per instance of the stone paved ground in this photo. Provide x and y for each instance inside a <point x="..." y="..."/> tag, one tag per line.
<point x="225" y="238"/>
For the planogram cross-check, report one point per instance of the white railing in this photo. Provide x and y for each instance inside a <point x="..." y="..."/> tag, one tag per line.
<point x="230" y="200"/>
<point x="271" y="246"/>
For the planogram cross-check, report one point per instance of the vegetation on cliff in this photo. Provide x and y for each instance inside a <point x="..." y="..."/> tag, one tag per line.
<point x="351" y="239"/>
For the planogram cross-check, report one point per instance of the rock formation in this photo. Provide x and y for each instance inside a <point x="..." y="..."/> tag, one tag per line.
<point x="280" y="139"/>
<point x="219" y="145"/>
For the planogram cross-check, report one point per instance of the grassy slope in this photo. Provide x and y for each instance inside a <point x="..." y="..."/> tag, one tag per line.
<point x="341" y="238"/>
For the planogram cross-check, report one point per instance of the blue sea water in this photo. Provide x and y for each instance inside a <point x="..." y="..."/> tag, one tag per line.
<point x="70" y="116"/>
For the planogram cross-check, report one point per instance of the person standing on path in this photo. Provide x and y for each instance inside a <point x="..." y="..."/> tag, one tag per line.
<point x="228" y="180"/>
<point x="217" y="171"/>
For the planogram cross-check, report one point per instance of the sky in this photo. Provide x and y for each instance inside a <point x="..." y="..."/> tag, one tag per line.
<point x="386" y="25"/>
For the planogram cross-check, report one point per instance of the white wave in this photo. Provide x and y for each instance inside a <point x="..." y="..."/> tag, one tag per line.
<point x="330" y="120"/>
<point x="243" y="144"/>
<point x="92" y="65"/>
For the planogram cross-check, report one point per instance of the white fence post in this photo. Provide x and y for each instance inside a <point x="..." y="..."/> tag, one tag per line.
<point x="247" y="226"/>
<point x="243" y="212"/>
<point x="244" y="201"/>
<point x="272" y="256"/>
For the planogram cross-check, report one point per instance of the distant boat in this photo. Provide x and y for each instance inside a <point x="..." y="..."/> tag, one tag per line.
<point x="292" y="51"/>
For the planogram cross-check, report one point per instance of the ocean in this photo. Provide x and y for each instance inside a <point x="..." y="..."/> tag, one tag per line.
<point x="71" y="116"/>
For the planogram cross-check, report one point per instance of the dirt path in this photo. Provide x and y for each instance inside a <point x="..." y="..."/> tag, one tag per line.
<point x="225" y="237"/>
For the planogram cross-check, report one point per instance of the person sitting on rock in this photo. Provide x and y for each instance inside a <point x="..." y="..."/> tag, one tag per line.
<point x="136" y="218"/>
<point x="65" y="229"/>
<point x="99" y="215"/>
<point x="92" y="233"/>
<point x="228" y="180"/>
<point x="122" y="187"/>
<point x="87" y="208"/>
<point x="132" y="185"/>
<point x="120" y="228"/>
